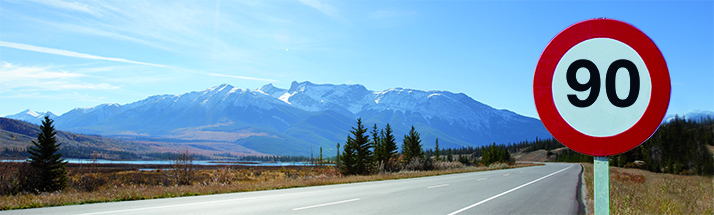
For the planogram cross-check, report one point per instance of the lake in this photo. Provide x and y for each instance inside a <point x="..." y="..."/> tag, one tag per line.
<point x="195" y="162"/>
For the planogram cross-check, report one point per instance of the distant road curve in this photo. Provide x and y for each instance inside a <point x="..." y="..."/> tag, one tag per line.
<point x="549" y="189"/>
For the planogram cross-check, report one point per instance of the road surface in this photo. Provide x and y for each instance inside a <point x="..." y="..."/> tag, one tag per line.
<point x="549" y="189"/>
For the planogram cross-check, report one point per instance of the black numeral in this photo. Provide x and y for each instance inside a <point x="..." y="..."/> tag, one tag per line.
<point x="594" y="83"/>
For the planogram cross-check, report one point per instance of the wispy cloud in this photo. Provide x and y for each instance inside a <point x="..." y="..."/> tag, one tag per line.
<point x="21" y="78"/>
<point x="322" y="7"/>
<point x="70" y="53"/>
<point x="67" y="5"/>
<point x="242" y="77"/>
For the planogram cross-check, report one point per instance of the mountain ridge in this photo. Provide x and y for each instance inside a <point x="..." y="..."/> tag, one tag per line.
<point x="304" y="117"/>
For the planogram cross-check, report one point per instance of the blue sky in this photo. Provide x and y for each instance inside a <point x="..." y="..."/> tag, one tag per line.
<point x="57" y="55"/>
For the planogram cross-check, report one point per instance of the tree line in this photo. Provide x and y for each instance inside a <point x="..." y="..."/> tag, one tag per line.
<point x="367" y="152"/>
<point x="678" y="147"/>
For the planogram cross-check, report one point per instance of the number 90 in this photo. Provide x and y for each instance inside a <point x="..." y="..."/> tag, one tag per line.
<point x="594" y="83"/>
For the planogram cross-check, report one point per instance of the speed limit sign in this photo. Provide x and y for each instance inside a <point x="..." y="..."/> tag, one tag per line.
<point x="601" y="87"/>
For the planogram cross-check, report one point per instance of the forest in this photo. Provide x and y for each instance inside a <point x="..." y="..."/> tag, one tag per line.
<point x="680" y="146"/>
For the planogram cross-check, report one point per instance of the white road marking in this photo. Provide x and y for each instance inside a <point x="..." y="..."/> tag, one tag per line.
<point x="326" y="204"/>
<point x="178" y="205"/>
<point x="520" y="172"/>
<point x="481" y="179"/>
<point x="435" y="186"/>
<point x="189" y="204"/>
<point x="511" y="190"/>
<point x="506" y="174"/>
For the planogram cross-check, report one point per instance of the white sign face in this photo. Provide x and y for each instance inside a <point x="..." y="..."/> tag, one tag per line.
<point x="601" y="87"/>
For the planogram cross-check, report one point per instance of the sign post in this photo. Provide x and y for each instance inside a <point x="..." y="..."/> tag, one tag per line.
<point x="601" y="172"/>
<point x="601" y="87"/>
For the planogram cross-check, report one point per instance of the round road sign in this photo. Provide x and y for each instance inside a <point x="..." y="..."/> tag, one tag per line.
<point x="601" y="87"/>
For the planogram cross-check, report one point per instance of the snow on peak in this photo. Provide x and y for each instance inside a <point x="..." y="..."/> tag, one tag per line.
<point x="356" y="98"/>
<point x="31" y="116"/>
<point x="318" y="97"/>
<point x="273" y="91"/>
<point x="31" y="113"/>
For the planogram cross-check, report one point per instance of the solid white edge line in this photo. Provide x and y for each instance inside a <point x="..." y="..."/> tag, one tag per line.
<point x="435" y="186"/>
<point x="326" y="204"/>
<point x="185" y="204"/>
<point x="511" y="190"/>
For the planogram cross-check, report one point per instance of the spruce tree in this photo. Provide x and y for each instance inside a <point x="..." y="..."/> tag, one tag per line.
<point x="364" y="148"/>
<point x="320" y="159"/>
<point x="348" y="160"/>
<point x="357" y="155"/>
<point x="337" y="157"/>
<point x="412" y="147"/>
<point x="389" y="143"/>
<point x="52" y="173"/>
<point x="436" y="150"/>
<point x="450" y="156"/>
<point x="379" y="153"/>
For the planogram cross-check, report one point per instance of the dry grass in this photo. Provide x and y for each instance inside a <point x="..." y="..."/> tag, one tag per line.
<point x="136" y="185"/>
<point x="634" y="191"/>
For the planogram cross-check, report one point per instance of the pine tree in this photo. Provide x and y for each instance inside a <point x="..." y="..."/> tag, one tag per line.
<point x="379" y="153"/>
<point x="436" y="150"/>
<point x="52" y="173"/>
<point x="337" y="157"/>
<point x="389" y="143"/>
<point x="411" y="147"/>
<point x="320" y="159"/>
<point x="348" y="159"/>
<point x="357" y="157"/>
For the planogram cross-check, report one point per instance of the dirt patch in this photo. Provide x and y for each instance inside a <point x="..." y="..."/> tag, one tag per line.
<point x="537" y="156"/>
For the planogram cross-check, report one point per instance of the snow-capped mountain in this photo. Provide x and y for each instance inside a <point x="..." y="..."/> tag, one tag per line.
<point x="31" y="116"/>
<point x="292" y="121"/>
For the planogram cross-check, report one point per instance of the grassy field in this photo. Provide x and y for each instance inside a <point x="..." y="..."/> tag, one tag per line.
<point x="108" y="184"/>
<point x="634" y="191"/>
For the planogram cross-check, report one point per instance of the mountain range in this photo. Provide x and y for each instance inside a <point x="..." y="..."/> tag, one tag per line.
<point x="296" y="121"/>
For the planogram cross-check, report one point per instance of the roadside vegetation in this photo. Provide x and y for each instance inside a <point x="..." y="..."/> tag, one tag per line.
<point x="93" y="183"/>
<point x="636" y="191"/>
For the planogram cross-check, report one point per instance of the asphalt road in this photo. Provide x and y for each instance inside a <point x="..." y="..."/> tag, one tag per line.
<point x="549" y="189"/>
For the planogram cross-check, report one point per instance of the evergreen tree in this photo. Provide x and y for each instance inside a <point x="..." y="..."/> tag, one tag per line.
<point x="450" y="156"/>
<point x="436" y="150"/>
<point x="379" y="152"/>
<point x="52" y="173"/>
<point x="411" y="147"/>
<point x="494" y="153"/>
<point x="389" y="143"/>
<point x="348" y="160"/>
<point x="320" y="159"/>
<point x="337" y="157"/>
<point x="357" y="157"/>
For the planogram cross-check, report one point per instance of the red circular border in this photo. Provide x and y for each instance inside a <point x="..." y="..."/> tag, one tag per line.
<point x="659" y="97"/>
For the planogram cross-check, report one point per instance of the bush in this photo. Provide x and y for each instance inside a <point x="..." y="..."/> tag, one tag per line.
<point x="87" y="182"/>
<point x="16" y="177"/>
<point x="419" y="164"/>
<point x="182" y="172"/>
<point x="444" y="165"/>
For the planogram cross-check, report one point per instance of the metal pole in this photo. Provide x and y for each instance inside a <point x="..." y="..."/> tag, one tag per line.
<point x="602" y="185"/>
